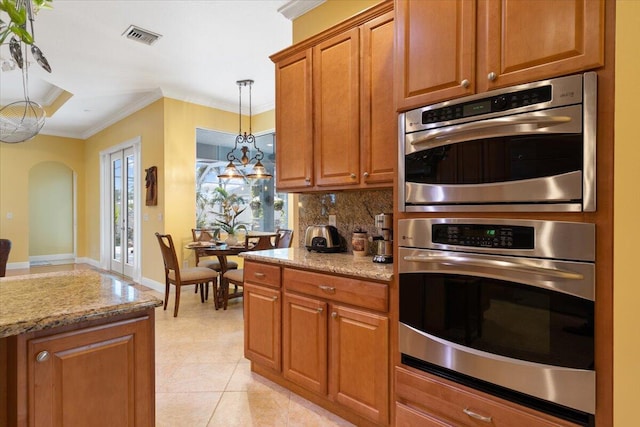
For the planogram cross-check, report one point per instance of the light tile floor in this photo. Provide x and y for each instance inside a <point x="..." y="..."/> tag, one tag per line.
<point x="202" y="377"/>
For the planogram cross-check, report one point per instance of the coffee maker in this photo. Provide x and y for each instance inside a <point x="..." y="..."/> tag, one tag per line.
<point x="384" y="239"/>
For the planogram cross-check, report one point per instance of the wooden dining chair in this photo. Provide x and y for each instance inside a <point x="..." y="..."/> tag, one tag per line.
<point x="5" y="248"/>
<point x="199" y="276"/>
<point x="236" y="277"/>
<point x="285" y="237"/>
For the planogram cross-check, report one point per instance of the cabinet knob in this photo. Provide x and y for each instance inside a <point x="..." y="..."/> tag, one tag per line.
<point x="320" y="309"/>
<point x="334" y="315"/>
<point x="43" y="356"/>
<point x="492" y="76"/>
<point x="366" y="174"/>
<point x="307" y="180"/>
<point x="465" y="83"/>
<point x="274" y="298"/>
<point x="353" y="176"/>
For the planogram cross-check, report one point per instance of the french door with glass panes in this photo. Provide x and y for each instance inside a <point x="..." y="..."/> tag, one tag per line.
<point x="122" y="207"/>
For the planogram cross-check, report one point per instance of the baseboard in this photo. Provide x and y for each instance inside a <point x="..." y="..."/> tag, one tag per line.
<point x="152" y="284"/>
<point x="53" y="259"/>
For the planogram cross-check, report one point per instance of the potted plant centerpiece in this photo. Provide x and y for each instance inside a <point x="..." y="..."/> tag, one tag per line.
<point x="230" y="205"/>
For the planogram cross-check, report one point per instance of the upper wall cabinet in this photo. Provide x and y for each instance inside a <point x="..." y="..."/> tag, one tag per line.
<point x="447" y="49"/>
<point x="335" y="112"/>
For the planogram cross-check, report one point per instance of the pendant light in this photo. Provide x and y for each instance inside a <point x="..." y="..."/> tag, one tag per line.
<point x="245" y="141"/>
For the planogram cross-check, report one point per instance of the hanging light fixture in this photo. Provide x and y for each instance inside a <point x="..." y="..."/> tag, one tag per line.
<point x="245" y="141"/>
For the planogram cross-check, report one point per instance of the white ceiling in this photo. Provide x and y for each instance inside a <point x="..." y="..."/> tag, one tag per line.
<point x="206" y="46"/>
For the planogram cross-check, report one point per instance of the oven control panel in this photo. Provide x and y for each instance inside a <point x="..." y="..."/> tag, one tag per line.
<point x="484" y="235"/>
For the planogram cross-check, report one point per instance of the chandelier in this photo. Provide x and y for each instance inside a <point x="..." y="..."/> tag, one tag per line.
<point x="246" y="141"/>
<point x="21" y="120"/>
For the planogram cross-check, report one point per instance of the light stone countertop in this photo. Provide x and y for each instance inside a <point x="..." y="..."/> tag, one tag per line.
<point x="48" y="300"/>
<point x="337" y="263"/>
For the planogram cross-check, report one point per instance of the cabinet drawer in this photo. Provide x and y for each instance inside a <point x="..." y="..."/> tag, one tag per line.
<point x="262" y="274"/>
<point x="409" y="417"/>
<point x="460" y="406"/>
<point x="361" y="293"/>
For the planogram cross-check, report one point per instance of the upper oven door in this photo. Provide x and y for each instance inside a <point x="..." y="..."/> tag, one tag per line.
<point x="533" y="158"/>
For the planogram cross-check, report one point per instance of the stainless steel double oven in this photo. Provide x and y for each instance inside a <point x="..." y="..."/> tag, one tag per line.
<point x="502" y="304"/>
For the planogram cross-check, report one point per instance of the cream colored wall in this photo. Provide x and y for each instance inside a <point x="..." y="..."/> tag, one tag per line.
<point x="626" y="301"/>
<point x="16" y="160"/>
<point x="326" y="15"/>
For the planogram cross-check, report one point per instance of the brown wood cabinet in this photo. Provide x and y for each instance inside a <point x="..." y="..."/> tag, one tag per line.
<point x="334" y="334"/>
<point x="450" y="49"/>
<point x="336" y="349"/>
<point x="88" y="374"/>
<point x="423" y="399"/>
<point x="335" y="109"/>
<point x="294" y="118"/>
<point x="262" y="312"/>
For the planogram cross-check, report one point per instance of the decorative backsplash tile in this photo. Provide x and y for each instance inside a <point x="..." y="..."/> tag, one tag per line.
<point x="353" y="210"/>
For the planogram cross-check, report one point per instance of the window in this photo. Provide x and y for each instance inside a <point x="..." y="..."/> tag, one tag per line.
<point x="262" y="208"/>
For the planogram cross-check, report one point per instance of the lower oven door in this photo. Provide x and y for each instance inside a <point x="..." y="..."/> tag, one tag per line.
<point x="523" y="324"/>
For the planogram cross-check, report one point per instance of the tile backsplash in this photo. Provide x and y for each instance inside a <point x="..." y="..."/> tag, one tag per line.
<point x="353" y="210"/>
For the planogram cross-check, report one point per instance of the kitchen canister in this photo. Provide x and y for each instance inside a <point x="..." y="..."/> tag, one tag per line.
<point x="359" y="243"/>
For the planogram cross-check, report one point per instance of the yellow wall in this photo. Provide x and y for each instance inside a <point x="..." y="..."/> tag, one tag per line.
<point x="16" y="160"/>
<point x="326" y="15"/>
<point x="147" y="124"/>
<point x="167" y="129"/>
<point x="626" y="215"/>
<point x="50" y="209"/>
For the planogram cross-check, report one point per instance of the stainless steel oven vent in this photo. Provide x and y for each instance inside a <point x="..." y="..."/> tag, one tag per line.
<point x="141" y="35"/>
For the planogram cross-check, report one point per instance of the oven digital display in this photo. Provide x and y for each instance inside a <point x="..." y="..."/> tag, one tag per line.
<point x="484" y="236"/>
<point x="476" y="108"/>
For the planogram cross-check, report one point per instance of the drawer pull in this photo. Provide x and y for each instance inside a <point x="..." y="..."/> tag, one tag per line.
<point x="259" y="275"/>
<point x="476" y="416"/>
<point x="328" y="289"/>
<point x="43" y="356"/>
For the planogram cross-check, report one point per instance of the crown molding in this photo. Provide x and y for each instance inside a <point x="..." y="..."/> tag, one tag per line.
<point x="295" y="8"/>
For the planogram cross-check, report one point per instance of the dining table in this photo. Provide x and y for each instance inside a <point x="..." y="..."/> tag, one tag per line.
<point x="221" y="250"/>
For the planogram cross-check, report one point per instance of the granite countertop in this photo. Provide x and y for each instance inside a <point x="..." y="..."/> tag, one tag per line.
<point x="338" y="263"/>
<point x="43" y="301"/>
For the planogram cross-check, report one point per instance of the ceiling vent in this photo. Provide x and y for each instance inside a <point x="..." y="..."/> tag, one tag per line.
<point x="140" y="35"/>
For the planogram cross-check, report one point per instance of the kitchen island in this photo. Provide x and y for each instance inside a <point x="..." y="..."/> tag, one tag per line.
<point x="76" y="348"/>
<point x="318" y="324"/>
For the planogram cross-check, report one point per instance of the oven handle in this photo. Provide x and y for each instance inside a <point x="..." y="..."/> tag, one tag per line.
<point x="497" y="265"/>
<point x="539" y="121"/>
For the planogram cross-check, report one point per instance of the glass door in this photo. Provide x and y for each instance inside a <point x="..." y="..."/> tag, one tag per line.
<point x="122" y="209"/>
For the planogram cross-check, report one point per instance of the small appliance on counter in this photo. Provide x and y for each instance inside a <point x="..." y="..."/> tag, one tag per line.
<point x="384" y="240"/>
<point x="323" y="238"/>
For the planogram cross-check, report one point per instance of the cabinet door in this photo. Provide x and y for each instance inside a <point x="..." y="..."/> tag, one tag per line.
<point x="527" y="40"/>
<point x="98" y="376"/>
<point x="435" y="53"/>
<point x="305" y="342"/>
<point x="262" y="325"/>
<point x="359" y="362"/>
<point x="294" y="122"/>
<point x="379" y="136"/>
<point x="336" y="86"/>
